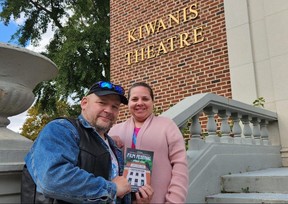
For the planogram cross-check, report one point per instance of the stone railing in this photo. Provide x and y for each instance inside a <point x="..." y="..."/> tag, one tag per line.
<point x="252" y="130"/>
<point x="238" y="137"/>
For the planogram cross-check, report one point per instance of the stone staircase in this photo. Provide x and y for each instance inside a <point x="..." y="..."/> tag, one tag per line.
<point x="263" y="186"/>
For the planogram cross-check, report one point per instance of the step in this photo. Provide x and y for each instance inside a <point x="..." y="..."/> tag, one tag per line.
<point x="272" y="180"/>
<point x="260" y="198"/>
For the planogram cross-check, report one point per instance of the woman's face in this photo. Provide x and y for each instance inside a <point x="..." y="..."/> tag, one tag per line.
<point x="140" y="103"/>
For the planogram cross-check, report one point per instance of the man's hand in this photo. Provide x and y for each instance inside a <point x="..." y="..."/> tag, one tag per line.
<point x="118" y="141"/>
<point x="144" y="195"/>
<point x="123" y="186"/>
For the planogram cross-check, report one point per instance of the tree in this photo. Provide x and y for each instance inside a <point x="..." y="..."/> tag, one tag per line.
<point x="80" y="46"/>
<point x="37" y="120"/>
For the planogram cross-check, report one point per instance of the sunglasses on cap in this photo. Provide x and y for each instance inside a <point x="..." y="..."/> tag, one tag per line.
<point x="108" y="86"/>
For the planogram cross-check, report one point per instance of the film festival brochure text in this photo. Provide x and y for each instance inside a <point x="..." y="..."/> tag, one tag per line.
<point x="138" y="167"/>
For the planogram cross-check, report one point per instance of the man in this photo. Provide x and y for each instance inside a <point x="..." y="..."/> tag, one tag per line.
<point x="66" y="165"/>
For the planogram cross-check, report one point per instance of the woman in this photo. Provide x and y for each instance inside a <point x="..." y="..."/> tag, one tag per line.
<point x="160" y="135"/>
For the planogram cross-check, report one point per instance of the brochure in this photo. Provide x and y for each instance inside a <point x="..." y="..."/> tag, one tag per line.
<point x="138" y="167"/>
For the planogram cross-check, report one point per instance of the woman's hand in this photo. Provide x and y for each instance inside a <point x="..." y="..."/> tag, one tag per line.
<point x="118" y="141"/>
<point x="144" y="195"/>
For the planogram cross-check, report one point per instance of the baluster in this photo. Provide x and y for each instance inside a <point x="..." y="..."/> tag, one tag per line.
<point x="211" y="124"/>
<point x="225" y="128"/>
<point x="256" y="130"/>
<point x="195" y="143"/>
<point x="195" y="128"/>
<point x="247" y="132"/>
<point x="236" y="130"/>
<point x="264" y="132"/>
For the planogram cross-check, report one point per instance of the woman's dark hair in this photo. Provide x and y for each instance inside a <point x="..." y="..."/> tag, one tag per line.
<point x="144" y="85"/>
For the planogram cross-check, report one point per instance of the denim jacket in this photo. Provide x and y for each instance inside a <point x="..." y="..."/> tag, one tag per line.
<point x="52" y="163"/>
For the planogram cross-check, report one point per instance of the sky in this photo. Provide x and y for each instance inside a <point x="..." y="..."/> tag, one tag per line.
<point x="6" y="32"/>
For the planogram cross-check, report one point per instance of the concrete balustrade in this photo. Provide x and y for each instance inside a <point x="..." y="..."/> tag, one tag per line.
<point x="249" y="124"/>
<point x="227" y="136"/>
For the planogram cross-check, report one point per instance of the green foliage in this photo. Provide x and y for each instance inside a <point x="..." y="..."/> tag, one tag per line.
<point x="245" y="190"/>
<point x="80" y="46"/>
<point x="37" y="119"/>
<point x="157" y="110"/>
<point x="185" y="130"/>
<point x="81" y="49"/>
<point x="37" y="13"/>
<point x="259" y="102"/>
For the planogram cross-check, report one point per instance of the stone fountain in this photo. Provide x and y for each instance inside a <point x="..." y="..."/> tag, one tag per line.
<point x="20" y="71"/>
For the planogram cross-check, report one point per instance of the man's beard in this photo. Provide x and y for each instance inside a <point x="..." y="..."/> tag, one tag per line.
<point x="102" y="129"/>
<point x="102" y="126"/>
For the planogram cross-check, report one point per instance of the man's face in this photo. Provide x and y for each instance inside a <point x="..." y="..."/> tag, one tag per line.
<point x="101" y="111"/>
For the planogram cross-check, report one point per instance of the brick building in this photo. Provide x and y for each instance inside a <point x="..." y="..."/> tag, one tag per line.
<point x="237" y="49"/>
<point x="178" y="47"/>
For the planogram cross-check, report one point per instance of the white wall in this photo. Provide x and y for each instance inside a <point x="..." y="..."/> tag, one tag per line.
<point x="257" y="33"/>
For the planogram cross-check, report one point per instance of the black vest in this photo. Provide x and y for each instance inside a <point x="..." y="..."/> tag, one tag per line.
<point x="92" y="153"/>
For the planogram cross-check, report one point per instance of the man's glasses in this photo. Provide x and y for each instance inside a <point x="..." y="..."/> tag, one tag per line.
<point x="107" y="85"/>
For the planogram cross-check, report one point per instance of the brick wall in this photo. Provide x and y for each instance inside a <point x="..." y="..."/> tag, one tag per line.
<point x="196" y="63"/>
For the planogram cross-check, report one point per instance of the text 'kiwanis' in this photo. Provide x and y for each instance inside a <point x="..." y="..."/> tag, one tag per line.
<point x="177" y="41"/>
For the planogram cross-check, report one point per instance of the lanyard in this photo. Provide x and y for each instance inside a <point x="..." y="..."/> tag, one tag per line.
<point x="134" y="137"/>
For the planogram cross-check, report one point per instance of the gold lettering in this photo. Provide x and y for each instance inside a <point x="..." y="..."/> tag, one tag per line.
<point x="165" y="46"/>
<point x="171" y="40"/>
<point x="150" y="27"/>
<point x="140" y="33"/>
<point x="130" y="35"/>
<point x="198" y="35"/>
<point x="158" y="25"/>
<point x="183" y="39"/>
<point x="129" y="57"/>
<point x="150" y="51"/>
<point x="142" y="53"/>
<point x="139" y="53"/>
<point x="175" y="19"/>
<point x="193" y="11"/>
<point x="161" y="49"/>
<point x="161" y="25"/>
<point x="170" y="44"/>
<point x="136" y="55"/>
<point x="184" y="15"/>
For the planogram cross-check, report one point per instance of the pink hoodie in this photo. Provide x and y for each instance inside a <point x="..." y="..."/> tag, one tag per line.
<point x="170" y="171"/>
